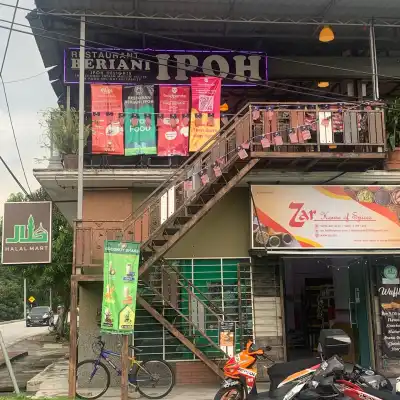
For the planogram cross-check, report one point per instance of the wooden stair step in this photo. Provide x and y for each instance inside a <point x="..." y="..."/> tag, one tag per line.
<point x="194" y="208"/>
<point x="182" y="220"/>
<point x="159" y="242"/>
<point x="170" y="231"/>
<point x="146" y="254"/>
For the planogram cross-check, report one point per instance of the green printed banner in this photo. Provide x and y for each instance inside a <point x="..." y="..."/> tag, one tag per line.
<point x="121" y="265"/>
<point x="140" y="126"/>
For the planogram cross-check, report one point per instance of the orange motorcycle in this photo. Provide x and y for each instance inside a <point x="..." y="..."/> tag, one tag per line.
<point x="286" y="379"/>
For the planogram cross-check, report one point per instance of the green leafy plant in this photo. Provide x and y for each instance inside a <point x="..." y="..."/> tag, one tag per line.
<point x="393" y="124"/>
<point x="62" y="130"/>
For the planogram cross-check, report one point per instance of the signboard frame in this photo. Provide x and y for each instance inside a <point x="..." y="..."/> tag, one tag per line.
<point x="389" y="306"/>
<point x="362" y="248"/>
<point x="150" y="75"/>
<point x="50" y="233"/>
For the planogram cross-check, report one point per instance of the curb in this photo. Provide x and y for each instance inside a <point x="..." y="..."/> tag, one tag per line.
<point x="13" y="358"/>
<point x="33" y="385"/>
<point x="11" y="322"/>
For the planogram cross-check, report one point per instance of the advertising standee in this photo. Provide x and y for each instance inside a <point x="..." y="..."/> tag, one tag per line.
<point x="121" y="266"/>
<point x="389" y="300"/>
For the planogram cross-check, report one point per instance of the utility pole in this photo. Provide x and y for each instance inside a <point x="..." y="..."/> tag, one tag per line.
<point x="51" y="300"/>
<point x="25" y="299"/>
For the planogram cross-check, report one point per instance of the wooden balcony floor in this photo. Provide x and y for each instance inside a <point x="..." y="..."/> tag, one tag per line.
<point x="320" y="161"/>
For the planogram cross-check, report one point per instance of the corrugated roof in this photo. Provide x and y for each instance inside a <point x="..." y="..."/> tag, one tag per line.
<point x="331" y="9"/>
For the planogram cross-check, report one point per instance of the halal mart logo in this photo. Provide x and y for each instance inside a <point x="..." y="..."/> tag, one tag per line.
<point x="28" y="233"/>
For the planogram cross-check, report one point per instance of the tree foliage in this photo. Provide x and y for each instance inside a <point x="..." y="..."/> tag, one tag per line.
<point x="40" y="278"/>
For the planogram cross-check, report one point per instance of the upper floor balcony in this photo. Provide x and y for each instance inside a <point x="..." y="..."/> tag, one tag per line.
<point x="312" y="136"/>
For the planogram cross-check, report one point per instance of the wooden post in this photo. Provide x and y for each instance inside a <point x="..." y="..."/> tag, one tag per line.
<point x="124" y="367"/>
<point x="73" y="351"/>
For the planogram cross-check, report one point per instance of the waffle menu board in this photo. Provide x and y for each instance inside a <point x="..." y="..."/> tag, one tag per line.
<point x="326" y="217"/>
<point x="389" y="300"/>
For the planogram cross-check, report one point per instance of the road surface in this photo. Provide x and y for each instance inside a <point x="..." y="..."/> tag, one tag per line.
<point x="17" y="331"/>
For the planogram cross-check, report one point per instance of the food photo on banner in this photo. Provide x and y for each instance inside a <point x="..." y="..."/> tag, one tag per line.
<point x="389" y="300"/>
<point x="173" y="121"/>
<point x="205" y="113"/>
<point x="121" y="266"/>
<point x="140" y="126"/>
<point x="107" y="120"/>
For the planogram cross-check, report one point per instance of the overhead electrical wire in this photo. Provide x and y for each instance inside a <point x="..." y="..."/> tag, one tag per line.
<point x="207" y="46"/>
<point x="14" y="177"/>
<point x="6" y="96"/>
<point x="26" y="78"/>
<point x="177" y="63"/>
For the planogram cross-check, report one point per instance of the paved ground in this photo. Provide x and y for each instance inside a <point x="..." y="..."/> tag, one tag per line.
<point x="53" y="382"/>
<point x="17" y="331"/>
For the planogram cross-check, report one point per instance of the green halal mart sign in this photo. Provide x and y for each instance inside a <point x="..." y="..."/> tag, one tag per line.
<point x="27" y="233"/>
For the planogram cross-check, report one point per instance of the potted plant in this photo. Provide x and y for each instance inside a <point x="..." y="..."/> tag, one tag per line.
<point x="393" y="134"/>
<point x="62" y="134"/>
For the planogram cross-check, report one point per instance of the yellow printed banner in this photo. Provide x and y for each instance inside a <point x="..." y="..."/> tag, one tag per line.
<point x="326" y="217"/>
<point x="205" y="119"/>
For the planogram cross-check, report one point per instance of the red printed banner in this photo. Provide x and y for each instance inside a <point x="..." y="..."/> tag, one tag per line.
<point x="107" y="120"/>
<point x="205" y="115"/>
<point x="173" y="121"/>
<point x="106" y="98"/>
<point x="108" y="133"/>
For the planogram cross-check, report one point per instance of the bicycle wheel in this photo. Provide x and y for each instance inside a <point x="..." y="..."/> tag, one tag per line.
<point x="154" y="379"/>
<point x="92" y="379"/>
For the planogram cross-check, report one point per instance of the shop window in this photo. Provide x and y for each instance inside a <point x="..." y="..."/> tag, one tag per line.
<point x="218" y="281"/>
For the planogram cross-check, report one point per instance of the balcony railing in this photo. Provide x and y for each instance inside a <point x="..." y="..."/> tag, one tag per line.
<point x="295" y="127"/>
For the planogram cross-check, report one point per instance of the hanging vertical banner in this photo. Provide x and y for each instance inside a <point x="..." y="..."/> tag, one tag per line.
<point x="107" y="120"/>
<point x="173" y="121"/>
<point x="108" y="133"/>
<point x="389" y="299"/>
<point x="140" y="127"/>
<point x="121" y="265"/>
<point x="205" y="114"/>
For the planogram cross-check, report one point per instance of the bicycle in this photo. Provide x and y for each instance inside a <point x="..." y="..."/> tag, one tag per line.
<point x="135" y="380"/>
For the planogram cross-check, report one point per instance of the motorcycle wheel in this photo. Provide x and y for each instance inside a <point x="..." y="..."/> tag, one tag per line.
<point x="231" y="393"/>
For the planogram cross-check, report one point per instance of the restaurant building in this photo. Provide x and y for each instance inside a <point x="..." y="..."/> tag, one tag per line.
<point x="285" y="222"/>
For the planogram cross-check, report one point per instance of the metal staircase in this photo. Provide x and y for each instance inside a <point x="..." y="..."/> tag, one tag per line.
<point x="175" y="207"/>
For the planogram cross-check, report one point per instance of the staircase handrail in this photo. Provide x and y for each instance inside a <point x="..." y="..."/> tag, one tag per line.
<point x="157" y="192"/>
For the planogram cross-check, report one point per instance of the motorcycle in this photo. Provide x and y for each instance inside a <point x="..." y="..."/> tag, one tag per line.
<point x="294" y="379"/>
<point x="241" y="372"/>
<point x="331" y="381"/>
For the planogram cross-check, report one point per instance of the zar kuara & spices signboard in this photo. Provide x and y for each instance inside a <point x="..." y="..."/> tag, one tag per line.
<point x="326" y="217"/>
<point x="145" y="66"/>
<point x="27" y="233"/>
<point x="389" y="301"/>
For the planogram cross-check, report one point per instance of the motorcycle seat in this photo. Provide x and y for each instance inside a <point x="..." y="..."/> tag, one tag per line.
<point x="380" y="393"/>
<point x="279" y="372"/>
<point x="283" y="370"/>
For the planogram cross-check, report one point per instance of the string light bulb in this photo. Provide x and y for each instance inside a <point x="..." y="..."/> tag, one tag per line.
<point x="323" y="84"/>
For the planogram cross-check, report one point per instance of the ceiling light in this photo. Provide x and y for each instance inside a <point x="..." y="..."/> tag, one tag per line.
<point x="323" y="84"/>
<point x="326" y="34"/>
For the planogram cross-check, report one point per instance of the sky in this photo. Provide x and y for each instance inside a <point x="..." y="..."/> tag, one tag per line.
<point x="27" y="100"/>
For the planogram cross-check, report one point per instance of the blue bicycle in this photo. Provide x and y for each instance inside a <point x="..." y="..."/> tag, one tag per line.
<point x="145" y="377"/>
